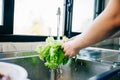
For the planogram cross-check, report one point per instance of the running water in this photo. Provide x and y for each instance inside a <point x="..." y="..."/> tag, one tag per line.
<point x="60" y="73"/>
<point x="65" y="72"/>
<point x="57" y="74"/>
<point x="75" y="62"/>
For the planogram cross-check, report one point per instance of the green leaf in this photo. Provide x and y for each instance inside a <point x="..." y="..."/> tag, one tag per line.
<point x="52" y="53"/>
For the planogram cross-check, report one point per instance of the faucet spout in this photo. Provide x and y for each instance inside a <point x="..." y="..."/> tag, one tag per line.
<point x="58" y="23"/>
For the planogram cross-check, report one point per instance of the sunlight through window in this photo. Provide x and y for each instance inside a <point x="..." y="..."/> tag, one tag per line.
<point x="37" y="17"/>
<point x="83" y="12"/>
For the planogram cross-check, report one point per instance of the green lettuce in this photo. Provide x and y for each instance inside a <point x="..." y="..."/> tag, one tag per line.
<point x="52" y="53"/>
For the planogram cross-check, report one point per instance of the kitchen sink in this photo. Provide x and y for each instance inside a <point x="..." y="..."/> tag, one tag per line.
<point x="74" y="70"/>
<point x="113" y="74"/>
<point x="81" y="68"/>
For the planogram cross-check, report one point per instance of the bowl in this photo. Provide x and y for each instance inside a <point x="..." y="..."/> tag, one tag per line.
<point x="14" y="71"/>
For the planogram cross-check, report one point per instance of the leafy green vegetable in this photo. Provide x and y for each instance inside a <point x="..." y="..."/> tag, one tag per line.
<point x="52" y="53"/>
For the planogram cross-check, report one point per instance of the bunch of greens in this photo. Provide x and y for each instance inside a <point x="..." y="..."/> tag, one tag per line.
<point x="52" y="53"/>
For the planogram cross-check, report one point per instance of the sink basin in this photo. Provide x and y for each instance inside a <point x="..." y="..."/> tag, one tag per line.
<point x="77" y="69"/>
<point x="113" y="74"/>
<point x="82" y="69"/>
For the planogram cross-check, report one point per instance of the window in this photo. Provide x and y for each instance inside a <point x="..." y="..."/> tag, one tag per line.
<point x="38" y="17"/>
<point x="1" y="12"/>
<point x="83" y="13"/>
<point x="34" y="20"/>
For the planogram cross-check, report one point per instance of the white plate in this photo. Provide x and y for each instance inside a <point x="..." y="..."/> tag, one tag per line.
<point x="15" y="72"/>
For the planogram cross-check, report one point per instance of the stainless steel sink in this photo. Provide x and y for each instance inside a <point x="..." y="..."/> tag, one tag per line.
<point x="81" y="68"/>
<point x="113" y="74"/>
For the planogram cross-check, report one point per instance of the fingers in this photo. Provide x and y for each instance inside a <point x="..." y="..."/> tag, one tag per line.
<point x="65" y="49"/>
<point x="70" y="54"/>
<point x="69" y="51"/>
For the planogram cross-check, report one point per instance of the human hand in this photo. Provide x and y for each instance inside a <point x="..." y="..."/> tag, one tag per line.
<point x="70" y="47"/>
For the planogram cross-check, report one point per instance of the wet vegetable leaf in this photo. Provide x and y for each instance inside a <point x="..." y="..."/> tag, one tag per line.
<point x="52" y="53"/>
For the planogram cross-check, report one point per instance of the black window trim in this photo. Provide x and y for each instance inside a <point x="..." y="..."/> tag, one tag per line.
<point x="8" y="8"/>
<point x="99" y="7"/>
<point x="6" y="31"/>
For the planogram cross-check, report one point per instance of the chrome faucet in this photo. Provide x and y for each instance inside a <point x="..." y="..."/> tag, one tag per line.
<point x="58" y="23"/>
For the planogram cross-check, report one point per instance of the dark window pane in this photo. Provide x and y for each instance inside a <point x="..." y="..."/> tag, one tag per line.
<point x="1" y="12"/>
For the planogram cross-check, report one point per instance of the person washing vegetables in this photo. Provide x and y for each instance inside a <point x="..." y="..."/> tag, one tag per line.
<point x="106" y="25"/>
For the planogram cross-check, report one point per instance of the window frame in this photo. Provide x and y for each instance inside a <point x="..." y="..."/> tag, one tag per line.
<point x="6" y="31"/>
<point x="99" y="7"/>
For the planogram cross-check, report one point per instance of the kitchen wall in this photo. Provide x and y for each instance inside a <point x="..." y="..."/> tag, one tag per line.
<point x="19" y="46"/>
<point x="32" y="46"/>
<point x="109" y="44"/>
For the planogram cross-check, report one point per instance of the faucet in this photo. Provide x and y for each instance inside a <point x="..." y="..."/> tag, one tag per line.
<point x="58" y="23"/>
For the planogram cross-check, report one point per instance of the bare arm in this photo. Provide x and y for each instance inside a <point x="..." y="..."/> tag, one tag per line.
<point x="104" y="26"/>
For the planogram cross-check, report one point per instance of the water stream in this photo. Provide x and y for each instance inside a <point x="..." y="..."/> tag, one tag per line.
<point x="61" y="74"/>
